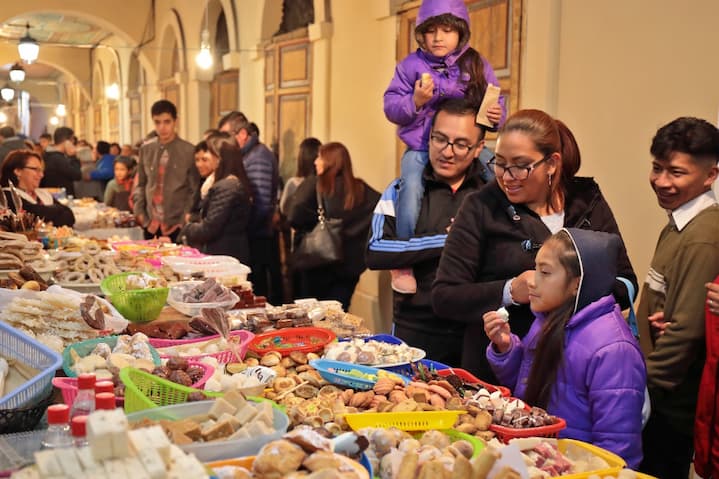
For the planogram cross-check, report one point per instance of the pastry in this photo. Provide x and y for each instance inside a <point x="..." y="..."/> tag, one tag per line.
<point x="278" y="458"/>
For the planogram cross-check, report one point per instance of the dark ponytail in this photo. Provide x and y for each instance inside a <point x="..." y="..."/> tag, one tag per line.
<point x="549" y="353"/>
<point x="472" y="65"/>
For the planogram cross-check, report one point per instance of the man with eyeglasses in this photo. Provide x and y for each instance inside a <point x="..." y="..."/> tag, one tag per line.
<point x="61" y="168"/>
<point x="454" y="170"/>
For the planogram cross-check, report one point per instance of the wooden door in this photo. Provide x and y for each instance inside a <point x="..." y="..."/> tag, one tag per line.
<point x="223" y="95"/>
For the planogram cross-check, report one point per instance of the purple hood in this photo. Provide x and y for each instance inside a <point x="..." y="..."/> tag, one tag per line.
<point x="433" y="8"/>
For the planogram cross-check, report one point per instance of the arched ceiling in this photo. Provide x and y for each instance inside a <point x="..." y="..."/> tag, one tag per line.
<point x="54" y="28"/>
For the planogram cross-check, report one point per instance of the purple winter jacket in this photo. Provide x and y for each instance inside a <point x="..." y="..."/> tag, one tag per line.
<point x="399" y="106"/>
<point x="600" y="385"/>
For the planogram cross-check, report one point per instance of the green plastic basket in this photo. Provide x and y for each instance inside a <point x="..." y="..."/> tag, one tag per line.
<point x="146" y="391"/>
<point x="84" y="348"/>
<point x="136" y="305"/>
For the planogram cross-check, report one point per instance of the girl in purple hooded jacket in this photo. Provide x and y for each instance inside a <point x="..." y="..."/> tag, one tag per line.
<point x="444" y="66"/>
<point x="579" y="360"/>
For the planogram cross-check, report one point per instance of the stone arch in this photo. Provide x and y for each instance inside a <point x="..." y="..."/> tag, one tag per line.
<point x="135" y="74"/>
<point x="96" y="14"/>
<point x="173" y="36"/>
<point x="98" y="82"/>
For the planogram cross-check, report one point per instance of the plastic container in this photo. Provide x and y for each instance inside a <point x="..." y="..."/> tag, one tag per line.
<point x="468" y="377"/>
<point x="25" y="418"/>
<point x="84" y="402"/>
<point x="506" y="434"/>
<point x="104" y="387"/>
<point x="78" y="429"/>
<point x="19" y="346"/>
<point x="285" y="341"/>
<point x="105" y="401"/>
<point x="615" y="462"/>
<point x="216" y="450"/>
<point x="455" y="435"/>
<point x="84" y="348"/>
<point x="405" y="421"/>
<point x="363" y="469"/>
<point x="406" y="369"/>
<point x="58" y="427"/>
<point x="136" y="305"/>
<point x="17" y="450"/>
<point x="338" y="372"/>
<point x="174" y="299"/>
<point x="241" y="337"/>
<point x="146" y="391"/>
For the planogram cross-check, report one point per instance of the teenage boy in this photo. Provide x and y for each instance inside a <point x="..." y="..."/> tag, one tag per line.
<point x="167" y="177"/>
<point x="684" y="166"/>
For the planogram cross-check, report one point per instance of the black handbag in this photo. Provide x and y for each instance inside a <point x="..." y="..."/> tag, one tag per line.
<point x="323" y="245"/>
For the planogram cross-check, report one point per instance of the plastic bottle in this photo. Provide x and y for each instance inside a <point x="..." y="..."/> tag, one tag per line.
<point x="105" y="401"/>
<point x="78" y="427"/>
<point x="84" y="402"/>
<point x="104" y="387"/>
<point x="58" y="429"/>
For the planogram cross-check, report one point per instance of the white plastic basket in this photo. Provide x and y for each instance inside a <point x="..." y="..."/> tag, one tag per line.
<point x="174" y="299"/>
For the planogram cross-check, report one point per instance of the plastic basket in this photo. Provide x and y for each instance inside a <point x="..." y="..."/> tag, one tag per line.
<point x="136" y="305"/>
<point x="338" y="372"/>
<point x="506" y="434"/>
<point x="84" y="348"/>
<point x="406" y="369"/>
<point x="17" y="450"/>
<point x="241" y="337"/>
<point x="615" y="462"/>
<point x="147" y="391"/>
<point x="405" y="421"/>
<point x="468" y="377"/>
<point x="384" y="338"/>
<point x="455" y="435"/>
<point x="68" y="386"/>
<point x="248" y="462"/>
<point x="220" y="449"/>
<point x="285" y="341"/>
<point x="25" y="418"/>
<point x="23" y="348"/>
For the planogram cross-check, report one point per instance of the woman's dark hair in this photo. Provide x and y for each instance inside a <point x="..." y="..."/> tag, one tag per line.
<point x="309" y="149"/>
<point x="470" y="63"/>
<point x="339" y="165"/>
<point x="549" y="136"/>
<point x="202" y="146"/>
<point x="15" y="160"/>
<point x="223" y="146"/>
<point x="549" y="353"/>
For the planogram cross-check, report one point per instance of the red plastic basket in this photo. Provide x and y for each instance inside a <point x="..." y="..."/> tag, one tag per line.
<point x="242" y="337"/>
<point x="285" y="341"/>
<point x="468" y="377"/>
<point x="68" y="386"/>
<point x="505" y="434"/>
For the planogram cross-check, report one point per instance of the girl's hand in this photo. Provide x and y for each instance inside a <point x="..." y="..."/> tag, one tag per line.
<point x="494" y="113"/>
<point x="713" y="297"/>
<point x="497" y="330"/>
<point x="656" y="321"/>
<point x="422" y="92"/>
<point x="520" y="290"/>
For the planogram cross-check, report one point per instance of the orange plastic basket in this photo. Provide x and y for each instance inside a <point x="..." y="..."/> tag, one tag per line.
<point x="505" y="434"/>
<point x="470" y="378"/>
<point x="285" y="341"/>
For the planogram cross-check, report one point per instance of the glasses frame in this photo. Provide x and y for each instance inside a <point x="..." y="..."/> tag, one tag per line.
<point x="36" y="169"/>
<point x="452" y="144"/>
<point x="493" y="163"/>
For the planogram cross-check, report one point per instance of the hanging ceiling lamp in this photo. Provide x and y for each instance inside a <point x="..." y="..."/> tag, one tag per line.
<point x="7" y="93"/>
<point x="28" y="47"/>
<point x="17" y="73"/>
<point x="204" y="57"/>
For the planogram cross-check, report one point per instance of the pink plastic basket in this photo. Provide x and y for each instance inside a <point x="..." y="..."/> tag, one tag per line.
<point x="242" y="337"/>
<point x="68" y="386"/>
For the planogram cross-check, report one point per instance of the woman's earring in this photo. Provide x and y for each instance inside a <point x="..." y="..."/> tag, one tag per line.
<point x="550" y="180"/>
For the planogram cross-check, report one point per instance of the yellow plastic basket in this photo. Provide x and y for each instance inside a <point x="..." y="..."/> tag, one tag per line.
<point x="405" y="421"/>
<point x="615" y="462"/>
<point x="145" y="391"/>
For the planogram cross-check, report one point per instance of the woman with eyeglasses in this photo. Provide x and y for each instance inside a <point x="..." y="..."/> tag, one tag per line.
<point x="490" y="252"/>
<point x="26" y="169"/>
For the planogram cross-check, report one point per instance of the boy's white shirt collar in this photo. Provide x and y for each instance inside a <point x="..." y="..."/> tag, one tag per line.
<point x="686" y="212"/>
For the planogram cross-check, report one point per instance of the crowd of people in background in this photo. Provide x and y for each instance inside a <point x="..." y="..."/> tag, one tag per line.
<point x="472" y="237"/>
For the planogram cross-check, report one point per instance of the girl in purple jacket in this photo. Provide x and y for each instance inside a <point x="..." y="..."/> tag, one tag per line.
<point x="579" y="360"/>
<point x="444" y="66"/>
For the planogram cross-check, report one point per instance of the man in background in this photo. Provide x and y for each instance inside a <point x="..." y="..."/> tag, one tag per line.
<point x="62" y="168"/>
<point x="10" y="141"/>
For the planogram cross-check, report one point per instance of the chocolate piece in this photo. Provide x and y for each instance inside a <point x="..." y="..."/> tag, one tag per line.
<point x="180" y="377"/>
<point x="176" y="363"/>
<point x="91" y="313"/>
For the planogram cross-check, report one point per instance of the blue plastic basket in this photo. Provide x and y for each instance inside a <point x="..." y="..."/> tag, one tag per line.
<point x="19" y="346"/>
<point x="406" y="369"/>
<point x="338" y="372"/>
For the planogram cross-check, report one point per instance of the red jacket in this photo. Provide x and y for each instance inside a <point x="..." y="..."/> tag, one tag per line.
<point x="706" y="427"/>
